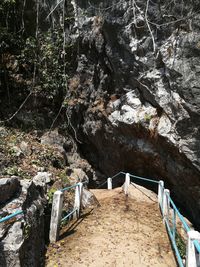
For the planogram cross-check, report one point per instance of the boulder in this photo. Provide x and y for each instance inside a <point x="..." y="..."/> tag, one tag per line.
<point x="25" y="148"/>
<point x="12" y="244"/>
<point x="22" y="239"/>
<point x="42" y="178"/>
<point x="53" y="138"/>
<point x="9" y="187"/>
<point x="88" y="199"/>
<point x="78" y="174"/>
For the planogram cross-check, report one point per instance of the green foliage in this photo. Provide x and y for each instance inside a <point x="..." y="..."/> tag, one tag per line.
<point x="11" y="171"/>
<point x="147" y="117"/>
<point x="64" y="178"/>
<point x="181" y="245"/>
<point x="8" y="15"/>
<point x="51" y="60"/>
<point x="35" y="60"/>
<point x="6" y="3"/>
<point x="50" y="195"/>
<point x="16" y="171"/>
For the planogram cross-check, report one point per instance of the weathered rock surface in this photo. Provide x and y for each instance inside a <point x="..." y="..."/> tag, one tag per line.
<point x="22" y="241"/>
<point x="137" y="101"/>
<point x="53" y="138"/>
<point x="25" y="148"/>
<point x="42" y="179"/>
<point x="88" y="199"/>
<point x="8" y="188"/>
<point x="133" y="100"/>
<point x="132" y="104"/>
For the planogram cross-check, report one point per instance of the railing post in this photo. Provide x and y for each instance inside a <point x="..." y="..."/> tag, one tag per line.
<point x="109" y="183"/>
<point x="56" y="213"/>
<point x="166" y="204"/>
<point x="78" y="199"/>
<point x="160" y="193"/>
<point x="192" y="258"/>
<point x="127" y="183"/>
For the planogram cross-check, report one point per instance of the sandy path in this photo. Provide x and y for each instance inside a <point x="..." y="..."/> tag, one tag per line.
<point x="120" y="233"/>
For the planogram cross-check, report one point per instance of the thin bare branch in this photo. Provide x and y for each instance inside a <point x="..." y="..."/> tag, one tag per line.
<point x="54" y="8"/>
<point x="21" y="106"/>
<point x="147" y="22"/>
<point x="75" y="134"/>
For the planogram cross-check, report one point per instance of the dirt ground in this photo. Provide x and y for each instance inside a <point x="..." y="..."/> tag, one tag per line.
<point x="121" y="232"/>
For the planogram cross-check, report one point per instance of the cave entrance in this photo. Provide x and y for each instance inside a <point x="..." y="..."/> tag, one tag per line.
<point x="119" y="178"/>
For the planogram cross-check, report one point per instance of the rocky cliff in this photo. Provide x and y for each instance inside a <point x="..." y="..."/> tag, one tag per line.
<point x="22" y="239"/>
<point x="133" y="97"/>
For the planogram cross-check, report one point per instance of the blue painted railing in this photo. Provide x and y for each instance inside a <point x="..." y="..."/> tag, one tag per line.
<point x="72" y="186"/>
<point x="184" y="223"/>
<point x="68" y="188"/>
<point x="7" y="218"/>
<point x="144" y="179"/>
<point x="133" y="176"/>
<point x="197" y="245"/>
<point x="70" y="212"/>
<point x="170" y="229"/>
<point x="59" y="216"/>
<point x="173" y="241"/>
<point x="20" y="212"/>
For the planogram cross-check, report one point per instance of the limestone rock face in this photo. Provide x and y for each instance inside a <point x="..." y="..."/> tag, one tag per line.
<point x="53" y="138"/>
<point x="133" y="98"/>
<point x="135" y="94"/>
<point x="42" y="178"/>
<point x="22" y="241"/>
<point x="9" y="187"/>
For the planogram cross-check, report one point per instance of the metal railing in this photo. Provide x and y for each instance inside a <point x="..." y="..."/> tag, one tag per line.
<point x="168" y="210"/>
<point x="76" y="206"/>
<point x="133" y="176"/>
<point x="73" y="210"/>
<point x="8" y="217"/>
<point x="170" y="213"/>
<point x="57" y="208"/>
<point x="191" y="241"/>
<point x="106" y="181"/>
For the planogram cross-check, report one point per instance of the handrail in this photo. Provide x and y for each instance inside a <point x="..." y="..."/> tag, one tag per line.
<point x="4" y="219"/>
<point x="114" y="176"/>
<point x="105" y="182"/>
<point x="165" y="202"/>
<point x="197" y="245"/>
<point x="171" y="232"/>
<point x="72" y="186"/>
<point x="101" y="184"/>
<point x="178" y="256"/>
<point x="69" y="214"/>
<point x="57" y="208"/>
<point x="69" y="187"/>
<point x="145" y="179"/>
<point x="186" y="227"/>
